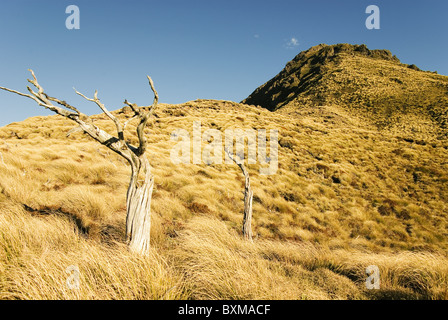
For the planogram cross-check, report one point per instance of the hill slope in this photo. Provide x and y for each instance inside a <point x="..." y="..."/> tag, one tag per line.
<point x="372" y="84"/>
<point x="344" y="197"/>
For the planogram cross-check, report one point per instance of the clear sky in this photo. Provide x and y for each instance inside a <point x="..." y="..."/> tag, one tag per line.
<point x="193" y="49"/>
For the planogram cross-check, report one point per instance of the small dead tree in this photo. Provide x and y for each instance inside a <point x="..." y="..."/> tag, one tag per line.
<point x="138" y="198"/>
<point x="248" y="195"/>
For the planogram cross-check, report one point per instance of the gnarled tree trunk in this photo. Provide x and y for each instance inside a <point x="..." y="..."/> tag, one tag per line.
<point x="138" y="200"/>
<point x="138" y="204"/>
<point x="248" y="195"/>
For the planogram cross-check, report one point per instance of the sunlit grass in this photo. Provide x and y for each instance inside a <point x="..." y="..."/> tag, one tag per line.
<point x="344" y="197"/>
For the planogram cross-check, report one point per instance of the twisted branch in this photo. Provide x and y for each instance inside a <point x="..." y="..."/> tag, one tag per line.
<point x="107" y="112"/>
<point x="144" y="117"/>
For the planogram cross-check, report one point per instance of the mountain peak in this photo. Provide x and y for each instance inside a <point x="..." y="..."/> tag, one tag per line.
<point x="328" y="51"/>
<point x="309" y="64"/>
<point x="371" y="83"/>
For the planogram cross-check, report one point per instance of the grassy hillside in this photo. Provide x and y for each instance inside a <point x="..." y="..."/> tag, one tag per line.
<point x="372" y="84"/>
<point x="345" y="196"/>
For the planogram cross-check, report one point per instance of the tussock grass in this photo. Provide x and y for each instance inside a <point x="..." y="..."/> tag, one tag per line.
<point x="220" y="265"/>
<point x="344" y="197"/>
<point x="225" y="267"/>
<point x="36" y="252"/>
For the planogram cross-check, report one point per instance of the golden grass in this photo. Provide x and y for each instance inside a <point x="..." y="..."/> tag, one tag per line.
<point x="344" y="197"/>
<point x="207" y="261"/>
<point x="37" y="252"/>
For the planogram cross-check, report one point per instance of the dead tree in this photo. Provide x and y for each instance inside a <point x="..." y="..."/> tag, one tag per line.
<point x="138" y="198"/>
<point x="248" y="195"/>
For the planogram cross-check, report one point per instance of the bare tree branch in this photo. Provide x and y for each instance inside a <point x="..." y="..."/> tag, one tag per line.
<point x="144" y="117"/>
<point x="107" y="112"/>
<point x="44" y="98"/>
<point x="93" y="131"/>
<point x="156" y="95"/>
<point x="35" y="83"/>
<point x="28" y="96"/>
<point x="129" y="120"/>
<point x="133" y="106"/>
<point x="62" y="103"/>
<point x="75" y="129"/>
<point x="236" y="159"/>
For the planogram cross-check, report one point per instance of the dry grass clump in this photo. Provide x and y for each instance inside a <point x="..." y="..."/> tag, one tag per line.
<point x="411" y="275"/>
<point x="36" y="252"/>
<point x="220" y="265"/>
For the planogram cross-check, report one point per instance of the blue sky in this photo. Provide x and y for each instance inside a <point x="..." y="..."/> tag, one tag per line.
<point x="192" y="49"/>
